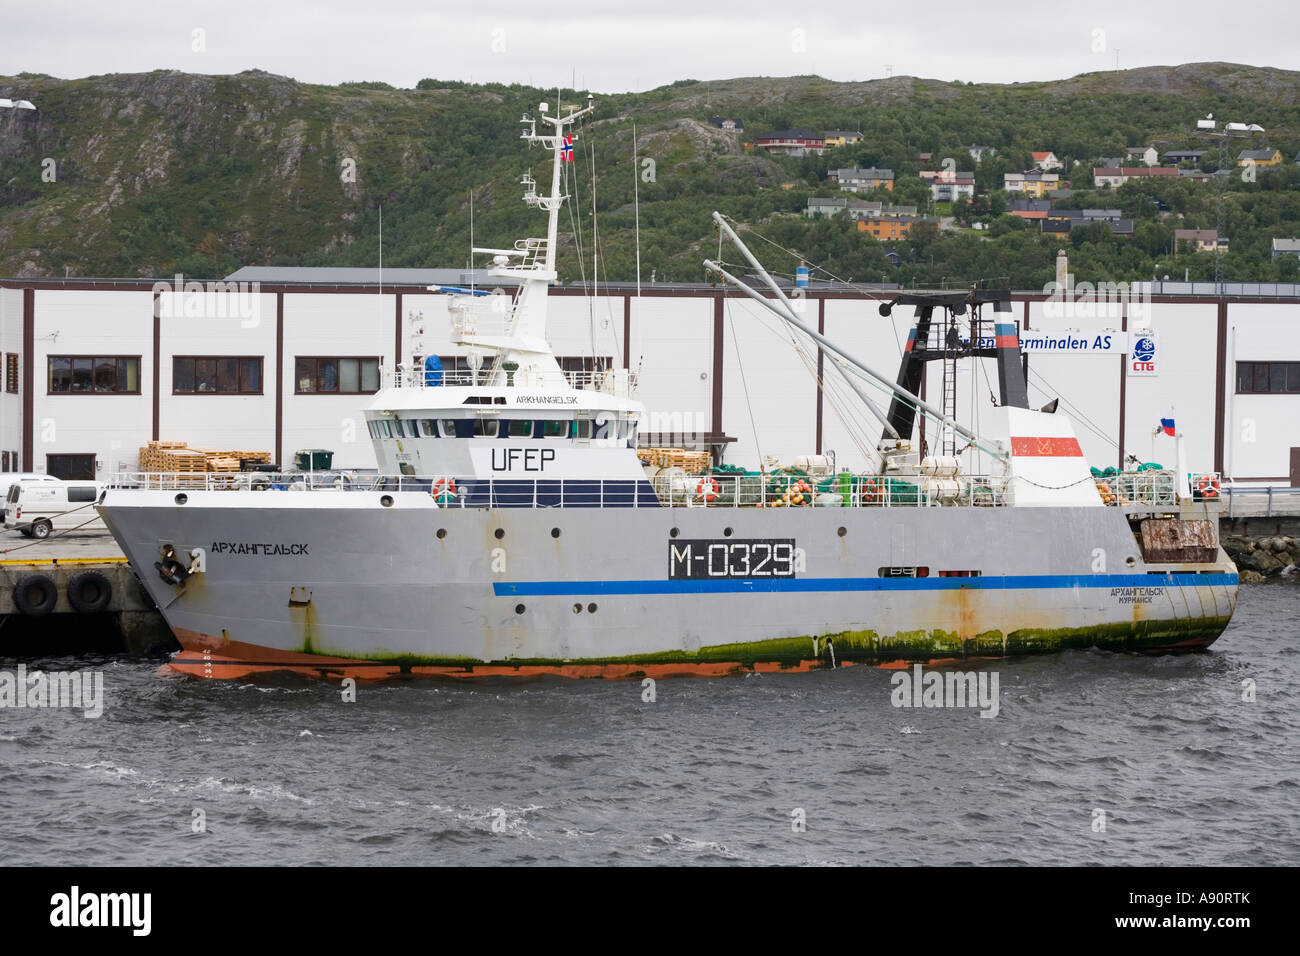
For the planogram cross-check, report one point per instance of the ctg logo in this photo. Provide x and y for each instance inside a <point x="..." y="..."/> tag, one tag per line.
<point x="1142" y="360"/>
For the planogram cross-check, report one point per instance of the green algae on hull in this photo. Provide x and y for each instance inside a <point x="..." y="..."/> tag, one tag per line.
<point x="866" y="646"/>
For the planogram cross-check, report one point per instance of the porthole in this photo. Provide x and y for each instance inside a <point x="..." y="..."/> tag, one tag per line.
<point x="555" y="532"/>
<point x="386" y="501"/>
<point x="842" y="531"/>
<point x="673" y="533"/>
<point x="726" y="532"/>
<point x="1130" y="561"/>
<point x="500" y="533"/>
<point x="519" y="609"/>
<point x="442" y="533"/>
<point x="577" y="608"/>
<point x="591" y="608"/>
<point x="182" y="498"/>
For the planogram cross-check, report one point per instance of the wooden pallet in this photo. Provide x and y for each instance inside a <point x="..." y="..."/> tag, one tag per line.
<point x="690" y="461"/>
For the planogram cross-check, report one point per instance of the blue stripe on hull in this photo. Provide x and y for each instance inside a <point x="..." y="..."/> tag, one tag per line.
<point x="1029" y="582"/>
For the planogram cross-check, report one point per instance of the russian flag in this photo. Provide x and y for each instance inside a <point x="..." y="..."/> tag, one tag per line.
<point x="1167" y="425"/>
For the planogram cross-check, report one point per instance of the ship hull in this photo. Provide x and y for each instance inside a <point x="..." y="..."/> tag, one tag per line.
<point x="344" y="586"/>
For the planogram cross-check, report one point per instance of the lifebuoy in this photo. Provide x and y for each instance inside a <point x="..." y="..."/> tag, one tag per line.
<point x="707" y="489"/>
<point x="36" y="594"/>
<point x="871" y="493"/>
<point x="89" y="592"/>
<point x="1208" y="487"/>
<point x="172" y="571"/>
<point x="444" y="486"/>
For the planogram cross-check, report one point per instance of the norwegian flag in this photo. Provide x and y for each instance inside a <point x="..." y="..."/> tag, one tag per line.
<point x="566" y="151"/>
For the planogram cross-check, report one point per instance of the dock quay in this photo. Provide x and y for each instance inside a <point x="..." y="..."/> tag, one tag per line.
<point x="73" y="593"/>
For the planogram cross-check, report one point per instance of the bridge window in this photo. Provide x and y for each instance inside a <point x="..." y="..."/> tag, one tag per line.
<point x="519" y="428"/>
<point x="486" y="427"/>
<point x="554" y="429"/>
<point x="428" y="428"/>
<point x="582" y="428"/>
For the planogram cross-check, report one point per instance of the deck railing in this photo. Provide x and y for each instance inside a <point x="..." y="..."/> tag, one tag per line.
<point x="674" y="490"/>
<point x="610" y="381"/>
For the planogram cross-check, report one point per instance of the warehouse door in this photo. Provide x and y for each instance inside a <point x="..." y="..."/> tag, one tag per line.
<point x="1295" y="467"/>
<point x="71" y="467"/>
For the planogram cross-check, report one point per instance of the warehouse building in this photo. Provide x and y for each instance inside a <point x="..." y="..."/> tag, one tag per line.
<point x="283" y="359"/>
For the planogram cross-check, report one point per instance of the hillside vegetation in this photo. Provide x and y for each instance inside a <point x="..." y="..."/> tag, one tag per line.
<point x="167" y="172"/>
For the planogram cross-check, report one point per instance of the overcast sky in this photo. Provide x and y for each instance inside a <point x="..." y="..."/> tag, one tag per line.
<point x="613" y="46"/>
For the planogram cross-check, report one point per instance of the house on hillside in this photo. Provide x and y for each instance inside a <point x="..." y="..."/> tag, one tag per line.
<point x="840" y="137"/>
<point x="727" y="123"/>
<point x="892" y="227"/>
<point x="946" y="186"/>
<point x="1147" y="155"/>
<point x="1286" y="247"/>
<point x="1032" y="182"/>
<point x="833" y="205"/>
<point x="1029" y="208"/>
<point x="1176" y="156"/>
<point x="1047" y="161"/>
<point x="793" y="142"/>
<point x="825" y="206"/>
<point x="1200" y="240"/>
<point x="1061" y="221"/>
<point x="1194" y="175"/>
<point x="1115" y="177"/>
<point x="861" y="180"/>
<point x="1260" y="157"/>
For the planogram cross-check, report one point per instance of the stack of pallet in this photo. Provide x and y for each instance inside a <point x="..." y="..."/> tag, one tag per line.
<point x="691" y="462"/>
<point x="151" y="455"/>
<point x="176" y="456"/>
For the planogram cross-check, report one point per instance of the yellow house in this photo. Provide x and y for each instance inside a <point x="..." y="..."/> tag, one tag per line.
<point x="842" y="137"/>
<point x="1260" y="157"/>
<point x="1033" y="183"/>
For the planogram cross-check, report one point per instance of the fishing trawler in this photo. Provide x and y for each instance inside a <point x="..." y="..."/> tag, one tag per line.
<point x="514" y="530"/>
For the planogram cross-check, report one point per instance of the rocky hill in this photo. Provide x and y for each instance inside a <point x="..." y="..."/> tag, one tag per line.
<point x="149" y="174"/>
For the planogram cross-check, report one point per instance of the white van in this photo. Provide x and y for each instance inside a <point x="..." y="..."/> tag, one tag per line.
<point x="37" y="507"/>
<point x="7" y="478"/>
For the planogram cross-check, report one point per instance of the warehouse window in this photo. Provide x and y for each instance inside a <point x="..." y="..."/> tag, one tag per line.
<point x="315" y="375"/>
<point x="85" y="374"/>
<point x="11" y="372"/>
<point x="216" y="375"/>
<point x="1265" y="378"/>
<point x="71" y="467"/>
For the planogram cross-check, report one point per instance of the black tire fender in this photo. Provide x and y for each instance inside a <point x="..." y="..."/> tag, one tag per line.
<point x="89" y="592"/>
<point x="36" y="594"/>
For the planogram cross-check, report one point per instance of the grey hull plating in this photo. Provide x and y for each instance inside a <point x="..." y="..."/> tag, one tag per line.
<point x="370" y="582"/>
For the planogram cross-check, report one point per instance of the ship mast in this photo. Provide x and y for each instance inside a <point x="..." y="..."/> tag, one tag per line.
<point x="520" y="341"/>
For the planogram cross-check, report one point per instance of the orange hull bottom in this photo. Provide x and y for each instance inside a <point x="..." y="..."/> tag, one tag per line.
<point x="232" y="664"/>
<point x="211" y="657"/>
